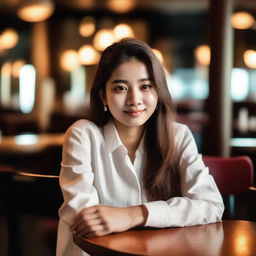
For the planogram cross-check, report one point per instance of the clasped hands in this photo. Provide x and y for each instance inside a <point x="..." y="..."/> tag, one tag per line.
<point x="100" y="220"/>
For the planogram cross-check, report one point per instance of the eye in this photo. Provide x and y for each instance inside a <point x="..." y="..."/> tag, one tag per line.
<point x="146" y="86"/>
<point x="120" y="88"/>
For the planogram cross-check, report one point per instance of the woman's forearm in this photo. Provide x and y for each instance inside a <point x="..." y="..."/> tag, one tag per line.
<point x="138" y="215"/>
<point x="102" y="220"/>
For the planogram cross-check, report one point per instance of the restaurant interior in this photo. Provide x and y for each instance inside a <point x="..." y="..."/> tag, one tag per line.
<point x="49" y="50"/>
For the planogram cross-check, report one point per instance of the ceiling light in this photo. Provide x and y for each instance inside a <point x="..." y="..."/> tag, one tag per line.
<point x="88" y="55"/>
<point x="103" y="39"/>
<point x="203" y="55"/>
<point x="9" y="38"/>
<point x="250" y="58"/>
<point x="122" y="31"/>
<point x="242" y="20"/>
<point x="87" y="26"/>
<point x="35" y="10"/>
<point x="121" y="6"/>
<point x="69" y="60"/>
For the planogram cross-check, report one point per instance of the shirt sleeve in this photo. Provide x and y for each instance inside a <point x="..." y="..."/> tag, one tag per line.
<point x="200" y="203"/>
<point x="76" y="182"/>
<point x="76" y="176"/>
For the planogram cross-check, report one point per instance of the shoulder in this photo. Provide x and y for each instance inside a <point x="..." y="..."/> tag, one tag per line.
<point x="180" y="129"/>
<point x="83" y="128"/>
<point x="182" y="134"/>
<point x="84" y="124"/>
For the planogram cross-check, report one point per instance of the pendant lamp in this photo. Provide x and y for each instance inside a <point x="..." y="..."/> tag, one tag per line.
<point x="35" y="10"/>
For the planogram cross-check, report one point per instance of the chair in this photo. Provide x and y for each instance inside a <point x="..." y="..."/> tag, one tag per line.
<point x="27" y="194"/>
<point x="233" y="176"/>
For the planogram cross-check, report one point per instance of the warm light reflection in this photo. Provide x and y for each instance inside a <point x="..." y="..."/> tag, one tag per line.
<point x="123" y="30"/>
<point x="203" y="54"/>
<point x="88" y="55"/>
<point x="159" y="55"/>
<point x="250" y="58"/>
<point x="87" y="26"/>
<point x="16" y="66"/>
<point x="242" y="20"/>
<point x="103" y="39"/>
<point x="69" y="60"/>
<point x="121" y="6"/>
<point x="35" y="11"/>
<point x="8" y="39"/>
<point x="242" y="242"/>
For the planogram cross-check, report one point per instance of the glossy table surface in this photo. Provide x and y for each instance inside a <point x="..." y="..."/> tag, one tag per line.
<point x="27" y="143"/>
<point x="229" y="238"/>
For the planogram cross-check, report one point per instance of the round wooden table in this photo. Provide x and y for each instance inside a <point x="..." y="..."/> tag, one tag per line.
<point x="229" y="238"/>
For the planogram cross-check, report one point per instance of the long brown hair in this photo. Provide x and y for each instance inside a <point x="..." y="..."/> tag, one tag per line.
<point x="160" y="175"/>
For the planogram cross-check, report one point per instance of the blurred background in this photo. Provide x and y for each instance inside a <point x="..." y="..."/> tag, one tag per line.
<point x="49" y="50"/>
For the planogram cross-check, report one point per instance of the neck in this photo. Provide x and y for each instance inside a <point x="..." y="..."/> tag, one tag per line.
<point x="130" y="137"/>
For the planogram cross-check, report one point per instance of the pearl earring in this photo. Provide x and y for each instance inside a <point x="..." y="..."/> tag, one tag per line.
<point x="105" y="108"/>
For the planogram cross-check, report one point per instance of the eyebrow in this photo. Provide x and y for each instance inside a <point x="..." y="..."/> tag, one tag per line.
<point x="118" y="81"/>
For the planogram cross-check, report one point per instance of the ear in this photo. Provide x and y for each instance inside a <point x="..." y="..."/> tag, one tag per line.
<point x="103" y="97"/>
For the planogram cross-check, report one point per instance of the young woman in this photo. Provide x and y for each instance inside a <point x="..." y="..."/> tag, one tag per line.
<point x="131" y="164"/>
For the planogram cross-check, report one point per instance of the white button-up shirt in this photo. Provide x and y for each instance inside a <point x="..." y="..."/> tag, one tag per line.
<point x="96" y="169"/>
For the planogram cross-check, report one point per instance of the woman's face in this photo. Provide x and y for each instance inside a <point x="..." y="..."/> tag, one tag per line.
<point x="130" y="95"/>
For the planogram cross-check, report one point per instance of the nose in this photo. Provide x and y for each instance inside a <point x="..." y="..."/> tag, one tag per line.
<point x="134" y="97"/>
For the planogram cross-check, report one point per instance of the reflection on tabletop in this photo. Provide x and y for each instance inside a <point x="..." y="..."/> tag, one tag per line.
<point x="30" y="142"/>
<point x="178" y="241"/>
<point x="243" y="240"/>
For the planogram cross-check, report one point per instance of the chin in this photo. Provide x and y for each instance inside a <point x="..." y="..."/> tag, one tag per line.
<point x="135" y="123"/>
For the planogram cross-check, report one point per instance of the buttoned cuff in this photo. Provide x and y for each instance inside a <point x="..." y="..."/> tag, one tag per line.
<point x="157" y="214"/>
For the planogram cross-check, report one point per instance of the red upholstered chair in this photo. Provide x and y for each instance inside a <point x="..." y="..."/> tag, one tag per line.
<point x="233" y="176"/>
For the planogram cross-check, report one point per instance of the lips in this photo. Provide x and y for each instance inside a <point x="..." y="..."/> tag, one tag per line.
<point x="134" y="113"/>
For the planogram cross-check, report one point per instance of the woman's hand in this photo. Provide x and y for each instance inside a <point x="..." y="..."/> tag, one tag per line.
<point x="101" y="220"/>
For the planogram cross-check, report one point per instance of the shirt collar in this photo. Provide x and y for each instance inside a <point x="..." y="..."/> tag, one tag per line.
<point x="111" y="136"/>
<point x="113" y="140"/>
